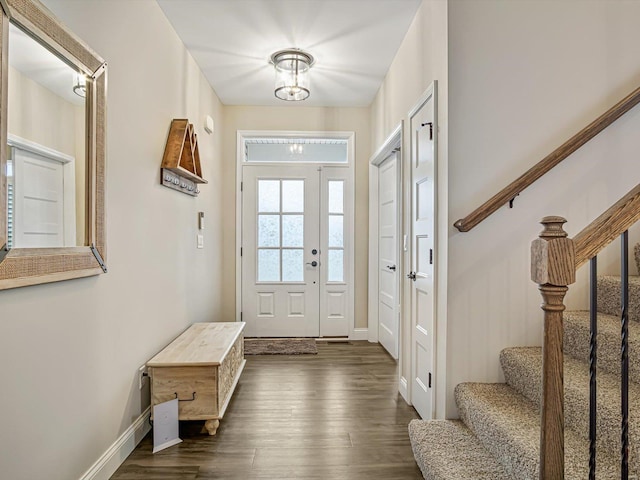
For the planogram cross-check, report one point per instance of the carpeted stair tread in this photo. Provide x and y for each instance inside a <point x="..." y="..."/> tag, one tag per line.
<point x="576" y="342"/>
<point x="508" y="426"/>
<point x="522" y="369"/>
<point x="609" y="296"/>
<point x="447" y="449"/>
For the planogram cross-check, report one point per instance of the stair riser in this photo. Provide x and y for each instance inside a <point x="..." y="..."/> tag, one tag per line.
<point x="508" y="425"/>
<point x="522" y="370"/>
<point x="609" y="297"/>
<point x="576" y="344"/>
<point x="518" y="461"/>
<point x="446" y="449"/>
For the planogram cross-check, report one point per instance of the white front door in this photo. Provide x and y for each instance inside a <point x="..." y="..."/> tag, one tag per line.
<point x="388" y="255"/>
<point x="295" y="238"/>
<point x="423" y="131"/>
<point x="38" y="213"/>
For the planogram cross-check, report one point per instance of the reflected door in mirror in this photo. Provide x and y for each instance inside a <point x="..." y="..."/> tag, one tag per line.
<point x="42" y="211"/>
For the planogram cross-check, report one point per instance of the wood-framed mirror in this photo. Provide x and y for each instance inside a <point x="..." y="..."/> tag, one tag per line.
<point x="53" y="150"/>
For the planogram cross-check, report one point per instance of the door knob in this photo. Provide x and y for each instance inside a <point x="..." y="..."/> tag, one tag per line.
<point x="411" y="276"/>
<point x="391" y="267"/>
<point x="313" y="264"/>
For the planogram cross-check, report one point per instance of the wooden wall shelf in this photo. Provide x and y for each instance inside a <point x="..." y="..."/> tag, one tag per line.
<point x="181" y="168"/>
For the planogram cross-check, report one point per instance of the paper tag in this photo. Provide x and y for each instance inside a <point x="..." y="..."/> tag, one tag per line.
<point x="165" y="425"/>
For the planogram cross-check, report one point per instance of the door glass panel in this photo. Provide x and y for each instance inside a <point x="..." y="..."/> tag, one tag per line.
<point x="293" y="196"/>
<point x="292" y="265"/>
<point x="281" y="230"/>
<point x="268" y="195"/>
<point x="336" y="234"/>
<point x="336" y="266"/>
<point x="336" y="196"/>
<point x="292" y="231"/>
<point x="268" y="230"/>
<point x="269" y="265"/>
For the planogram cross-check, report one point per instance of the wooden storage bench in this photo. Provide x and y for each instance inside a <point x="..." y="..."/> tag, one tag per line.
<point x="201" y="367"/>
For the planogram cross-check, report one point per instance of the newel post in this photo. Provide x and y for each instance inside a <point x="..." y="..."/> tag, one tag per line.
<point x="552" y="268"/>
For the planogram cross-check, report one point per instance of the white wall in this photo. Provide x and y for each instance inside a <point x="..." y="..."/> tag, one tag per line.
<point x="70" y="351"/>
<point x="37" y="114"/>
<point x="299" y="119"/>
<point x="421" y="59"/>
<point x="523" y="77"/>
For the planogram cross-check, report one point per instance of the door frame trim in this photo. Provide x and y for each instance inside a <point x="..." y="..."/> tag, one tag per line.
<point x="394" y="141"/>
<point x="355" y="333"/>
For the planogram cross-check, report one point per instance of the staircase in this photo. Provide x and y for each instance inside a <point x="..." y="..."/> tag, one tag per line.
<point x="548" y="421"/>
<point x="498" y="436"/>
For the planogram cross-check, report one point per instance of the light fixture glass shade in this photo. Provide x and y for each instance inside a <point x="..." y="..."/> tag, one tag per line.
<point x="80" y="85"/>
<point x="292" y="74"/>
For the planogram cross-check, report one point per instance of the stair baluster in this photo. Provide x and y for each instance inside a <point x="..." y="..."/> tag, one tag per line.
<point x="624" y="354"/>
<point x="593" y="364"/>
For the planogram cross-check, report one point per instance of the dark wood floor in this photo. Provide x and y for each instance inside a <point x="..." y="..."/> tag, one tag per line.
<point x="335" y="415"/>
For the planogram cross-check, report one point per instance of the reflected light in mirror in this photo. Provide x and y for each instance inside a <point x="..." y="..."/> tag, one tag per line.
<point x="80" y="85"/>
<point x="46" y="130"/>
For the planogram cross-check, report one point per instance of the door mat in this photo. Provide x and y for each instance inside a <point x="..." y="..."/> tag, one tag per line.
<point x="280" y="346"/>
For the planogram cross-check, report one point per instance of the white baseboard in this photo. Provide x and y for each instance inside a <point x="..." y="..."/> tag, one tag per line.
<point x="117" y="453"/>
<point x="359" y="334"/>
<point x="404" y="390"/>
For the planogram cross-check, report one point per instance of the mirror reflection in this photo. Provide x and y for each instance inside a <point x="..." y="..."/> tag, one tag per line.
<point x="46" y="168"/>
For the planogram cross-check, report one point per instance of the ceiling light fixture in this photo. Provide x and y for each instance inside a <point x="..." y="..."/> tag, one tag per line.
<point x="80" y="85"/>
<point x="292" y="74"/>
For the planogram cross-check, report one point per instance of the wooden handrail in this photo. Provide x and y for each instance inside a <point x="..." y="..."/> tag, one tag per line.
<point x="607" y="227"/>
<point x="547" y="163"/>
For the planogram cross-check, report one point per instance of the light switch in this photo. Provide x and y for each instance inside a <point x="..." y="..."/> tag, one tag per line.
<point x="200" y="220"/>
<point x="200" y="241"/>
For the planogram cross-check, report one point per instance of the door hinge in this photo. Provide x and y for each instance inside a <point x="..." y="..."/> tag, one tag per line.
<point x="240" y="251"/>
<point x="430" y="129"/>
<point x="431" y="256"/>
<point x="241" y="185"/>
<point x="429" y="379"/>
<point x="240" y="316"/>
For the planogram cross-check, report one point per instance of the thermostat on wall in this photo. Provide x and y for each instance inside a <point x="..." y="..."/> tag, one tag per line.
<point x="208" y="124"/>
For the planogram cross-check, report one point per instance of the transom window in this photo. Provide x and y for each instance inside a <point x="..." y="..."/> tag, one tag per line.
<point x="294" y="150"/>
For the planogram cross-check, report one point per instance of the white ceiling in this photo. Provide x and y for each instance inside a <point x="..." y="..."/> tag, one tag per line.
<point x="353" y="42"/>
<point x="40" y="65"/>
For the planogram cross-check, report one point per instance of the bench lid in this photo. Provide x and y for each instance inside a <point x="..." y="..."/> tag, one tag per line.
<point x="201" y="344"/>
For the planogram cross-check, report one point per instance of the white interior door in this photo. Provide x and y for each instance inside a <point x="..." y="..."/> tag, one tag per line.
<point x="388" y="320"/>
<point x="281" y="251"/>
<point x="423" y="140"/>
<point x="38" y="213"/>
